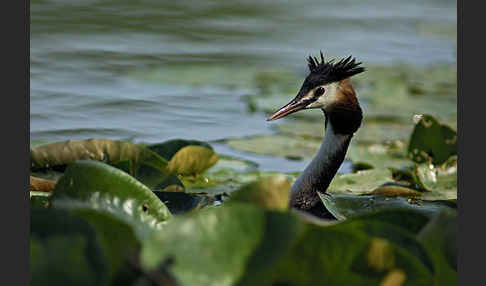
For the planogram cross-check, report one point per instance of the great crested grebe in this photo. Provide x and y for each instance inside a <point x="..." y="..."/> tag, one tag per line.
<point x="326" y="87"/>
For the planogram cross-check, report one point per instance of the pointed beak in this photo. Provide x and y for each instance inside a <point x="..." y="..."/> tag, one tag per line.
<point x="291" y="107"/>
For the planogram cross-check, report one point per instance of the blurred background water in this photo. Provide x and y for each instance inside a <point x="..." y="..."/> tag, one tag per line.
<point x="149" y="70"/>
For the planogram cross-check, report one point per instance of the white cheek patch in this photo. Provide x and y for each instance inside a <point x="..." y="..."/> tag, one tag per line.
<point x="327" y="99"/>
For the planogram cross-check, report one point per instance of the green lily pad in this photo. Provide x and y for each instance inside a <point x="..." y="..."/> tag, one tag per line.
<point x="361" y="182"/>
<point x="396" y="235"/>
<point x="419" y="89"/>
<point x="49" y="161"/>
<point x="379" y="155"/>
<point x="61" y="154"/>
<point x="276" y="145"/>
<point x="432" y="142"/>
<point x="116" y="237"/>
<point x="192" y="160"/>
<point x="235" y="164"/>
<point x="228" y="175"/>
<point x="410" y="220"/>
<point x="438" y="179"/>
<point x="186" y="157"/>
<point x="380" y="88"/>
<point x="264" y="78"/>
<point x="169" y="148"/>
<point x="371" y="131"/>
<point x="435" y="182"/>
<point x="342" y="255"/>
<point x="226" y="239"/>
<point x="106" y="188"/>
<point x="64" y="250"/>
<point x="343" y="206"/>
<point x="439" y="237"/>
<point x="271" y="193"/>
<point x="395" y="190"/>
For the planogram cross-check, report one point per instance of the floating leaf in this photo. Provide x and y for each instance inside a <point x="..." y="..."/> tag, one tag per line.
<point x="270" y="192"/>
<point x="343" y="206"/>
<point x="379" y="155"/>
<point x="112" y="152"/>
<point x="371" y="131"/>
<point x="276" y="145"/>
<point x="139" y="161"/>
<point x="439" y="237"/>
<point x="117" y="238"/>
<point x="64" y="250"/>
<point x="212" y="234"/>
<point x="395" y="235"/>
<point x="410" y="220"/>
<point x="192" y="160"/>
<point x="432" y="142"/>
<point x="108" y="189"/>
<point x="361" y="182"/>
<point x="340" y="255"/>
<point x="437" y="179"/>
<point x="395" y="191"/>
<point x="169" y="148"/>
<point x="434" y="182"/>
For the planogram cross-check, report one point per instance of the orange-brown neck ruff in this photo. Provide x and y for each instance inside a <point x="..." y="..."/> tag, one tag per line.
<point x="345" y="115"/>
<point x="346" y="97"/>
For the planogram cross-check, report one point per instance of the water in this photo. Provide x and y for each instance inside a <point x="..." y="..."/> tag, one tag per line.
<point x="149" y="71"/>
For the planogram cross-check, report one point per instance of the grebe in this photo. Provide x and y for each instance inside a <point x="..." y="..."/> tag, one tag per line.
<point x="327" y="87"/>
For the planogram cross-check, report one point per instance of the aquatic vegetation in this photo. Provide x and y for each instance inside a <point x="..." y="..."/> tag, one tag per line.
<point x="122" y="214"/>
<point x="181" y="212"/>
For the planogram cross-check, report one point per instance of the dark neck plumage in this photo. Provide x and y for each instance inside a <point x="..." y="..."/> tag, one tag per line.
<point x="340" y="125"/>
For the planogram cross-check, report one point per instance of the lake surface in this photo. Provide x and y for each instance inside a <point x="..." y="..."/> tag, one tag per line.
<point x="149" y="71"/>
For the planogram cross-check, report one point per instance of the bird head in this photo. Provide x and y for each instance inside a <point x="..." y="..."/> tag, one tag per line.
<point x="326" y="87"/>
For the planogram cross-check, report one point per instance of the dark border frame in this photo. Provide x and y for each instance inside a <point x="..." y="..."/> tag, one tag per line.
<point x="15" y="210"/>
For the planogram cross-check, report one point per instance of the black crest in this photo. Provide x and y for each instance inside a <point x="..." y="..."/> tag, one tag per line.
<point x="329" y="71"/>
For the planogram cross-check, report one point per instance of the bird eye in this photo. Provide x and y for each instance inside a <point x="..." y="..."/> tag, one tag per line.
<point x="319" y="91"/>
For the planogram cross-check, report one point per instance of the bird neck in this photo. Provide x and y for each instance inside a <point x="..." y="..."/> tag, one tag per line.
<point x="319" y="173"/>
